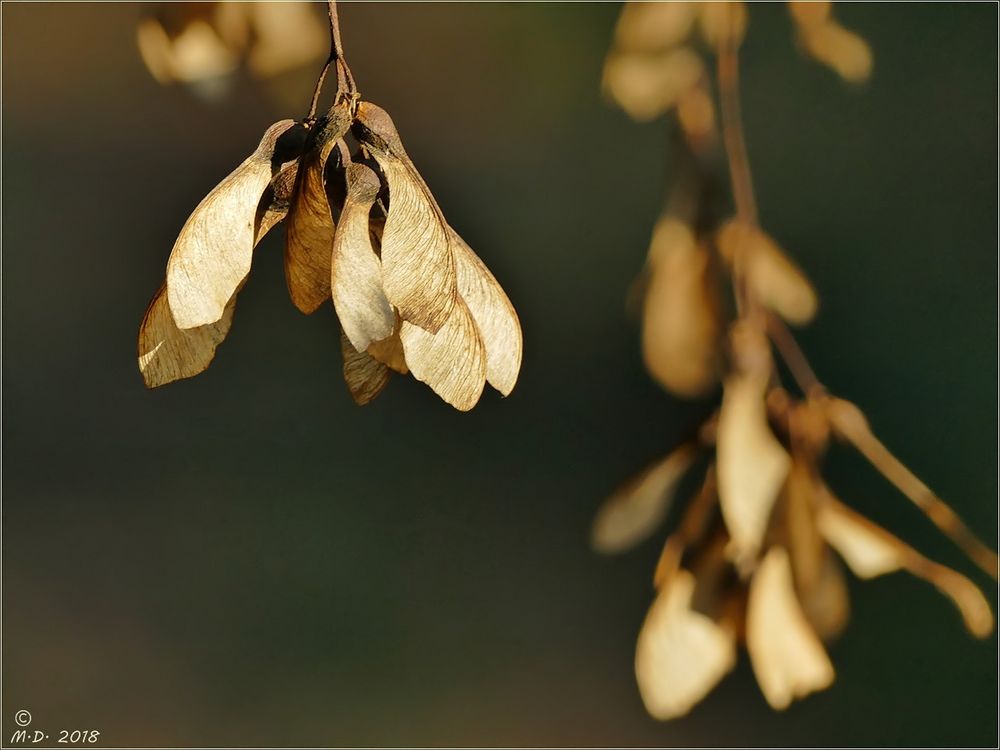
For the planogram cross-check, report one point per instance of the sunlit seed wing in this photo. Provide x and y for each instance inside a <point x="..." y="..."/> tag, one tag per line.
<point x="788" y="658"/>
<point x="774" y="279"/>
<point x="212" y="254"/>
<point x="494" y="315"/>
<point x="167" y="353"/>
<point x="681" y="654"/>
<point x="633" y="512"/>
<point x="870" y="551"/>
<point x="418" y="270"/>
<point x="365" y="376"/>
<point x="681" y="325"/>
<point x="452" y="361"/>
<point x="752" y="465"/>
<point x="356" y="273"/>
<point x="389" y="351"/>
<point x="310" y="225"/>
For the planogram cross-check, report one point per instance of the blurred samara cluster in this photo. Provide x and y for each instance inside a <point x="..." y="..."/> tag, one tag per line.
<point x="758" y="555"/>
<point x="203" y="45"/>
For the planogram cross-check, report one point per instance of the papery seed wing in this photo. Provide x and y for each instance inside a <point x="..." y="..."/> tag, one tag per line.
<point x="788" y="658"/>
<point x="774" y="279"/>
<point x="681" y="654"/>
<point x="418" y="270"/>
<point x="365" y="376"/>
<point x="633" y="512"/>
<point x="494" y="315"/>
<point x="310" y="225"/>
<point x="752" y="464"/>
<point x="167" y="353"/>
<point x="389" y="351"/>
<point x="870" y="551"/>
<point x="647" y="85"/>
<point x="212" y="254"/>
<point x="826" y="602"/>
<point x="452" y="361"/>
<point x="356" y="273"/>
<point x="681" y="326"/>
<point x="651" y="27"/>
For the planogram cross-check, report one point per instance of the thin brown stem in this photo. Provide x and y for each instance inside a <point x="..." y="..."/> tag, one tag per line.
<point x="793" y="356"/>
<point x="345" y="79"/>
<point x="739" y="164"/>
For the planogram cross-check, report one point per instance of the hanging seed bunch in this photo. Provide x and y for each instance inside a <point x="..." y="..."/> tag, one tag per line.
<point x="362" y="231"/>
<point x="758" y="556"/>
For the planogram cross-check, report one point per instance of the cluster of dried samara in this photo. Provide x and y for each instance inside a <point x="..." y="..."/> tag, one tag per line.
<point x="364" y="231"/>
<point x="757" y="558"/>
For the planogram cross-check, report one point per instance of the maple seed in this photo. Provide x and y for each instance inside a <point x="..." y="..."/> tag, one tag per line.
<point x="356" y="272"/>
<point x="212" y="254"/>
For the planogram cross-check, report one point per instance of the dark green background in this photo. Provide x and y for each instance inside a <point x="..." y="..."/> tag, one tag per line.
<point x="248" y="558"/>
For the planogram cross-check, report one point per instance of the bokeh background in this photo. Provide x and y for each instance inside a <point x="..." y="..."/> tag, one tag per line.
<point x="246" y="558"/>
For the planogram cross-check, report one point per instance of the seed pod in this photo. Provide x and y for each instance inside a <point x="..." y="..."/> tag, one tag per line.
<point x="418" y="270"/>
<point x="752" y="464"/>
<point x="356" y="273"/>
<point x="365" y="376"/>
<point x="772" y="277"/>
<point x="634" y="511"/>
<point x="723" y="23"/>
<point x="310" y="232"/>
<point x="681" y="326"/>
<point x="212" y="254"/>
<point x="495" y="316"/>
<point x="166" y="352"/>
<point x="681" y="654"/>
<point x="871" y="551"/>
<point x="840" y="49"/>
<point x="652" y="27"/>
<point x="788" y="658"/>
<point x="452" y="361"/>
<point x="647" y="85"/>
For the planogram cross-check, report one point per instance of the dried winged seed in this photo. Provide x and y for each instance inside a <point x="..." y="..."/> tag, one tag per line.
<point x="850" y="423"/>
<point x="452" y="361"/>
<point x="696" y="115"/>
<point x="825" y="602"/>
<point x="681" y="654"/>
<point x="751" y="467"/>
<point x="840" y="49"/>
<point x="418" y="268"/>
<point x="634" y="511"/>
<point x="723" y="23"/>
<point x="777" y="282"/>
<point x="495" y="316"/>
<point x="649" y="27"/>
<point x="810" y="13"/>
<point x="788" y="658"/>
<point x="193" y="55"/>
<point x="647" y="85"/>
<point x="806" y="548"/>
<point x="310" y="226"/>
<point x="167" y="353"/>
<point x="286" y="36"/>
<point x="212" y="254"/>
<point x="365" y="376"/>
<point x="869" y="551"/>
<point x="355" y="270"/>
<point x="389" y="351"/>
<point x="681" y="324"/>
